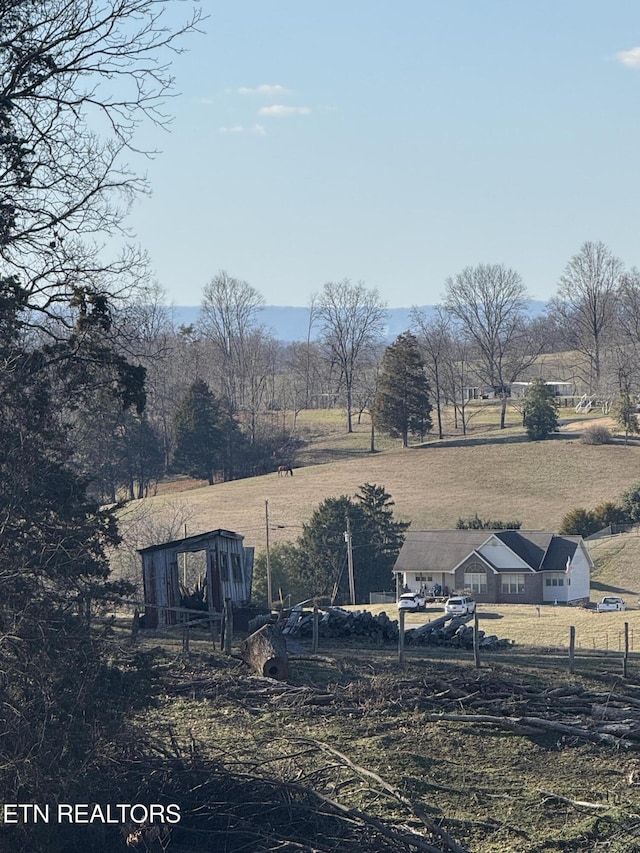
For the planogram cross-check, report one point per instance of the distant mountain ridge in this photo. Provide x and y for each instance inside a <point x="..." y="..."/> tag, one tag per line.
<point x="288" y="323"/>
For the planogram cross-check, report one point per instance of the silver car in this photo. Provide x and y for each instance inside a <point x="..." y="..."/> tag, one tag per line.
<point x="460" y="605"/>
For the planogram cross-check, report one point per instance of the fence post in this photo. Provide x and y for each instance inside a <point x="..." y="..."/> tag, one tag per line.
<point x="135" y="625"/>
<point x="314" y="642"/>
<point x="572" y="648"/>
<point x="212" y="628"/>
<point x="228" y="625"/>
<point x="626" y="650"/>
<point x="401" y="614"/>
<point x="185" y="639"/>
<point x="476" y="639"/>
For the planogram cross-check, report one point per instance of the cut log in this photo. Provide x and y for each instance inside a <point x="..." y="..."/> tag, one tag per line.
<point x="266" y="652"/>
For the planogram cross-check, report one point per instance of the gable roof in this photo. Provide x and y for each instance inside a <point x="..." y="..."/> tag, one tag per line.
<point x="530" y="547"/>
<point x="444" y="550"/>
<point x="191" y="542"/>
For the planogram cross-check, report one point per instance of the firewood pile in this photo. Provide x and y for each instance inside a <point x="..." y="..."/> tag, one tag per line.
<point x="337" y="623"/>
<point x="453" y="631"/>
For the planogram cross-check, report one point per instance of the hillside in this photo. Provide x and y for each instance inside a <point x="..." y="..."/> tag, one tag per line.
<point x="432" y="485"/>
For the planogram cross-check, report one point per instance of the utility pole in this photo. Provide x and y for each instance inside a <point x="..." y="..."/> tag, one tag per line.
<point x="352" y="582"/>
<point x="269" y="594"/>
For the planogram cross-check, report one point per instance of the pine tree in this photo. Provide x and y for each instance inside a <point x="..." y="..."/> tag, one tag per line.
<point x="376" y="539"/>
<point x="199" y="433"/>
<point x="402" y="404"/>
<point x="540" y="411"/>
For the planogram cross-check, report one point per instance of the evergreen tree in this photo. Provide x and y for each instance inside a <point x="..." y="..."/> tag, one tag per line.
<point x="540" y="411"/>
<point x="630" y="502"/>
<point x="402" y="403"/>
<point x="199" y="428"/>
<point x="625" y="415"/>
<point x="55" y="693"/>
<point x="384" y="536"/>
<point x="375" y="541"/>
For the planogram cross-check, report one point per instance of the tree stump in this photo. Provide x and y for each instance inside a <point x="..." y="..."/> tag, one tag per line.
<point x="265" y="650"/>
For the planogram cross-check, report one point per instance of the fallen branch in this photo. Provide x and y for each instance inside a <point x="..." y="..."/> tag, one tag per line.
<point x="529" y="725"/>
<point x="415" y="809"/>
<point x="578" y="804"/>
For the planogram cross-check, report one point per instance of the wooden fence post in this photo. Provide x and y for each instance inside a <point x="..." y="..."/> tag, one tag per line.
<point x="626" y="650"/>
<point x="213" y="630"/>
<point x="228" y="625"/>
<point x="401" y="614"/>
<point x="476" y="639"/>
<point x="572" y="648"/>
<point x="314" y="642"/>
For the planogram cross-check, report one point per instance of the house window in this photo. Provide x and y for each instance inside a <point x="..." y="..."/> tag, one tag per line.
<point x="475" y="581"/>
<point x="513" y="584"/>
<point x="236" y="568"/>
<point x="224" y="566"/>
<point x="421" y="578"/>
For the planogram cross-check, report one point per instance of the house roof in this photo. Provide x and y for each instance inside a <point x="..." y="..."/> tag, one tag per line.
<point x="191" y="542"/>
<point x="443" y="550"/>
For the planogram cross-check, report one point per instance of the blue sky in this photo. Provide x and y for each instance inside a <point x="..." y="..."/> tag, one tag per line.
<point x="395" y="143"/>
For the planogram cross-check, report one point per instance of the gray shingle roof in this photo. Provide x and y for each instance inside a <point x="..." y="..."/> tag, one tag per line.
<point x="443" y="550"/>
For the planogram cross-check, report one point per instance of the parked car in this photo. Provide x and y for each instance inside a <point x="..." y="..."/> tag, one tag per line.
<point x="610" y="602"/>
<point x="460" y="606"/>
<point x="411" y="601"/>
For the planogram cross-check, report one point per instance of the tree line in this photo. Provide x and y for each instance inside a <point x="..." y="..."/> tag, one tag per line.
<point x="252" y="387"/>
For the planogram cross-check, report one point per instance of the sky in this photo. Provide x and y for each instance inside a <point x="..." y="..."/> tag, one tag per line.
<point x="394" y="143"/>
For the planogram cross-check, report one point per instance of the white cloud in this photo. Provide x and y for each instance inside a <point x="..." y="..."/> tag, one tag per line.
<point x="265" y="89"/>
<point x="280" y="111"/>
<point x="256" y="129"/>
<point x="630" y="58"/>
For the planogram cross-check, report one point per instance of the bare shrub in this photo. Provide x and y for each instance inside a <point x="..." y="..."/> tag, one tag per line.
<point x="596" y="434"/>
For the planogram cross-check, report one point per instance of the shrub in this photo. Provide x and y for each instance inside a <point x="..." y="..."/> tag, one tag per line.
<point x="477" y="523"/>
<point x="580" y="522"/>
<point x="630" y="502"/>
<point x="596" y="435"/>
<point x="610" y="513"/>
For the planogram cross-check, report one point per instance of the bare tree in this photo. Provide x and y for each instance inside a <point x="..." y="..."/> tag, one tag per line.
<point x="352" y="320"/>
<point x="229" y="313"/>
<point x="434" y="337"/>
<point x="586" y="301"/>
<point x="77" y="78"/>
<point x="488" y="302"/>
<point x="455" y="380"/>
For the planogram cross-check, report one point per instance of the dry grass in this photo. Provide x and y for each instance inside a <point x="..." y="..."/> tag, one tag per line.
<point x="522" y="624"/>
<point x="496" y="474"/>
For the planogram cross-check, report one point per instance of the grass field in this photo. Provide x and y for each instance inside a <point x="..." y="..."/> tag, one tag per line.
<point x="493" y="473"/>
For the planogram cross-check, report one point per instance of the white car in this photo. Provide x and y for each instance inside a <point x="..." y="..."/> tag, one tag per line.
<point x="610" y="602"/>
<point x="411" y="601"/>
<point x="460" y="605"/>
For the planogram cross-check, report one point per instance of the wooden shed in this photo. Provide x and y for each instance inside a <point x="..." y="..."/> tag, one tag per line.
<point x="229" y="574"/>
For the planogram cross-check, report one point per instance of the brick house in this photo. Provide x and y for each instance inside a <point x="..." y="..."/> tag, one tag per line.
<point x="497" y="566"/>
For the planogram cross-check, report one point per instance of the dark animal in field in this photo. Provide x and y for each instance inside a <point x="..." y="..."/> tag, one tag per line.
<point x="283" y="470"/>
